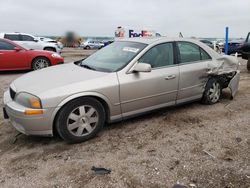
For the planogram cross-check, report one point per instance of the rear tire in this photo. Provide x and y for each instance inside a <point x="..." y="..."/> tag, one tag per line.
<point x="212" y="92"/>
<point x="40" y="63"/>
<point x="248" y="64"/>
<point x="80" y="120"/>
<point x="87" y="47"/>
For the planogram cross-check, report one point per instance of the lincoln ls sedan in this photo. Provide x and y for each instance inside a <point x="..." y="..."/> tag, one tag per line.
<point x="127" y="78"/>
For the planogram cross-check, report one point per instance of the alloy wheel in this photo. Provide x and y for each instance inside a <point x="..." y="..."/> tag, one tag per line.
<point x="82" y="120"/>
<point x="214" y="92"/>
<point x="40" y="64"/>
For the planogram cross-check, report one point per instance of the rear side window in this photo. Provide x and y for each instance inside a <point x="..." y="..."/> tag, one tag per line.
<point x="14" y="37"/>
<point x="6" y="46"/>
<point x="27" y="38"/>
<point x="159" y="56"/>
<point x="204" y="55"/>
<point x="189" y="52"/>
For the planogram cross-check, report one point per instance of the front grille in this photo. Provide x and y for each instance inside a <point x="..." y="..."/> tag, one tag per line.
<point x="12" y="93"/>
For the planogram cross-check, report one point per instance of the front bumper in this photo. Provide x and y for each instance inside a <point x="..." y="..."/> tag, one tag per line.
<point x="28" y="124"/>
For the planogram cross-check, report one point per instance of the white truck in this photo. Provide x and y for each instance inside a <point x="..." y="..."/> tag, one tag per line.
<point x="30" y="42"/>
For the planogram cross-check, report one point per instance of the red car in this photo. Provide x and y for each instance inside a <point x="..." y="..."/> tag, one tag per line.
<point x="15" y="57"/>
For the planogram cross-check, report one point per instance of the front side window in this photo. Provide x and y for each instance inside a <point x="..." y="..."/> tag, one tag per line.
<point x="27" y="38"/>
<point x="113" y="57"/>
<point x="14" y="37"/>
<point x="189" y="52"/>
<point x="6" y="46"/>
<point x="159" y="56"/>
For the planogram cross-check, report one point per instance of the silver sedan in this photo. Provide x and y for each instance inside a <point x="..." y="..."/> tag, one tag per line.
<point x="126" y="78"/>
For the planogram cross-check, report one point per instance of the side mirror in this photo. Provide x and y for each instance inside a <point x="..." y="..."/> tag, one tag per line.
<point x="17" y="49"/>
<point x="142" y="67"/>
<point x="35" y="40"/>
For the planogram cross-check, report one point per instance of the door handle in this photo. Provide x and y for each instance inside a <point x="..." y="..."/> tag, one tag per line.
<point x="170" y="77"/>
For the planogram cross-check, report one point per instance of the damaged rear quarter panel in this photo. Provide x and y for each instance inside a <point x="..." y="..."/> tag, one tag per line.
<point x="225" y="65"/>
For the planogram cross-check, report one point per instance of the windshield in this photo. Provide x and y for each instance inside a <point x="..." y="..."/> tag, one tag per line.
<point x="113" y="57"/>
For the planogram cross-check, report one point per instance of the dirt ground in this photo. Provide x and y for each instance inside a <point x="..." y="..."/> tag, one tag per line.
<point x="193" y="145"/>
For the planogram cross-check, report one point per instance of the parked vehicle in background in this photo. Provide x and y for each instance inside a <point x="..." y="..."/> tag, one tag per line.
<point x="108" y="42"/>
<point x="220" y="43"/>
<point x="16" y="57"/>
<point x="211" y="45"/>
<point x="124" y="79"/>
<point x="245" y="50"/>
<point x="234" y="46"/>
<point x="58" y="43"/>
<point x="91" y="44"/>
<point x="30" y="42"/>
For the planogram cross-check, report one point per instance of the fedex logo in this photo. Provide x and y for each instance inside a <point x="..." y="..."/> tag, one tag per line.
<point x="142" y="34"/>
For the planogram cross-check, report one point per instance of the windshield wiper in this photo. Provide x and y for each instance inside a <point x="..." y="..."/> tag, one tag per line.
<point x="87" y="66"/>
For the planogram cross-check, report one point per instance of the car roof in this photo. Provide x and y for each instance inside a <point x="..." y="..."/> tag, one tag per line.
<point x="158" y="40"/>
<point x="14" y="33"/>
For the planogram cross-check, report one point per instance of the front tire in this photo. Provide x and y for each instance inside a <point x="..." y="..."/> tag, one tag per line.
<point x="40" y="63"/>
<point x="248" y="64"/>
<point x="80" y="120"/>
<point x="212" y="92"/>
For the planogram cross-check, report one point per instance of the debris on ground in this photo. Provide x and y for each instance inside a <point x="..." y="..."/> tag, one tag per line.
<point x="238" y="139"/>
<point x="100" y="171"/>
<point x="15" y="138"/>
<point x="209" y="154"/>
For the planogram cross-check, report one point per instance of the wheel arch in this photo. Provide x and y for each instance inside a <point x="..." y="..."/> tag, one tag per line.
<point x="46" y="47"/>
<point x="99" y="97"/>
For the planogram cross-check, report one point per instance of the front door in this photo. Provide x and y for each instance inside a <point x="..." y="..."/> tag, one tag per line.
<point x="10" y="58"/>
<point x="144" y="91"/>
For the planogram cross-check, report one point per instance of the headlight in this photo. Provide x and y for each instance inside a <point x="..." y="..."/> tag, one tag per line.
<point x="56" y="55"/>
<point x="28" y="100"/>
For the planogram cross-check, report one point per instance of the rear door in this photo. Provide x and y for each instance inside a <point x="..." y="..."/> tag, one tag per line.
<point x="144" y="91"/>
<point x="193" y="64"/>
<point x="12" y="59"/>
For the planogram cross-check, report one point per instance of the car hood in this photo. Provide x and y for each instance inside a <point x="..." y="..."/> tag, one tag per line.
<point x="37" y="82"/>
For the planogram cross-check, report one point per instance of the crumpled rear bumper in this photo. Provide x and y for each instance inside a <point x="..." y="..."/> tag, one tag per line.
<point x="234" y="84"/>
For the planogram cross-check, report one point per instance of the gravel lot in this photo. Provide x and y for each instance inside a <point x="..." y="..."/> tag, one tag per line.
<point x="194" y="145"/>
